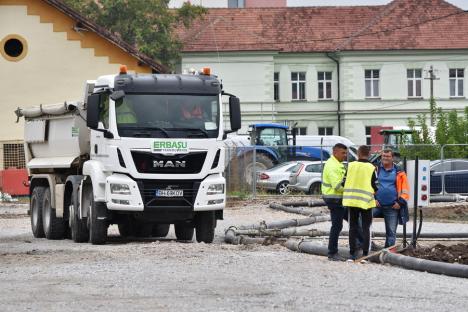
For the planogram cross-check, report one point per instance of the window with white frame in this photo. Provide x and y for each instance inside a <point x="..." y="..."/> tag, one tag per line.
<point x="324" y="85"/>
<point x="298" y="80"/>
<point x="456" y="82"/>
<point x="276" y="86"/>
<point x="414" y="82"/>
<point x="325" y="130"/>
<point x="368" y="135"/>
<point x="372" y="77"/>
<point x="301" y="130"/>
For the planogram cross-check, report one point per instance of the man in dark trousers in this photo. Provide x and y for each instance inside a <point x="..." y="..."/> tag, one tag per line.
<point x="332" y="192"/>
<point x="358" y="197"/>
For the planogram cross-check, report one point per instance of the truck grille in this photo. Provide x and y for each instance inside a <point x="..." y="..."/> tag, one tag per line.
<point x="148" y="193"/>
<point x="146" y="162"/>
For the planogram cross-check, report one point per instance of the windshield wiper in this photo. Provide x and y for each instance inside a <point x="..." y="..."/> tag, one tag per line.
<point x="202" y="131"/>
<point x="144" y="128"/>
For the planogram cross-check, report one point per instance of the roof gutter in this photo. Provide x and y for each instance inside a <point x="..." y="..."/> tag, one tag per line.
<point x="338" y="109"/>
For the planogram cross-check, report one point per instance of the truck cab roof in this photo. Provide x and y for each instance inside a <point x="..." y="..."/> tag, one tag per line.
<point x="161" y="83"/>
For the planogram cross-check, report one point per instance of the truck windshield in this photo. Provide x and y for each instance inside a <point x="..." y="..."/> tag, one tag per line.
<point x="168" y="116"/>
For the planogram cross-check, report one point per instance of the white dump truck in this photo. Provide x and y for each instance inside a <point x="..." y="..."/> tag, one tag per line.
<point x="140" y="151"/>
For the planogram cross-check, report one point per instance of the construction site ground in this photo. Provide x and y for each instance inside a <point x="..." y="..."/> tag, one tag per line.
<point x="166" y="275"/>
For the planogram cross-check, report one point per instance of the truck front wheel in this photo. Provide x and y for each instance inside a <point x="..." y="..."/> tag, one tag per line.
<point x="205" y="226"/>
<point x="160" y="230"/>
<point x="79" y="231"/>
<point x="54" y="228"/>
<point x="97" y="224"/>
<point x="37" y="199"/>
<point x="183" y="231"/>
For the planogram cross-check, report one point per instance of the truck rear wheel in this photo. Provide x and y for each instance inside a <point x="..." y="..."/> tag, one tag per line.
<point x="183" y="231"/>
<point x="54" y="228"/>
<point x="37" y="198"/>
<point x="96" y="224"/>
<point x="160" y="230"/>
<point x="205" y="226"/>
<point x="78" y="228"/>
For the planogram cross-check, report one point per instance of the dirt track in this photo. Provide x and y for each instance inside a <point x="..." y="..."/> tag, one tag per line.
<point x="165" y="275"/>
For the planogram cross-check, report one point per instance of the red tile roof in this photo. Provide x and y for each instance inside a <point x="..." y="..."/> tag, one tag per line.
<point x="399" y="25"/>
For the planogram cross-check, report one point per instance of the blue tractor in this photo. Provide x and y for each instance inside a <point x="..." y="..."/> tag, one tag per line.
<point x="271" y="144"/>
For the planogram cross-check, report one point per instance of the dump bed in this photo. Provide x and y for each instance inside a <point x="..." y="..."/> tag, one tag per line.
<point x="55" y="135"/>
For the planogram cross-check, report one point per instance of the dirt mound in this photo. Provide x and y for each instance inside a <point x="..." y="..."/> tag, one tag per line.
<point x="452" y="254"/>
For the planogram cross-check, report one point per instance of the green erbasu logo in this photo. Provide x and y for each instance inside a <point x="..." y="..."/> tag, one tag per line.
<point x="170" y="146"/>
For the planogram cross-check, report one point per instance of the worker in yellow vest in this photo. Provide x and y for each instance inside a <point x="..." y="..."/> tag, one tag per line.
<point x="334" y="172"/>
<point x="358" y="197"/>
<point x="125" y="113"/>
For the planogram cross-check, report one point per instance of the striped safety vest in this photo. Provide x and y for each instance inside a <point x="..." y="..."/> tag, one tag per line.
<point x="358" y="190"/>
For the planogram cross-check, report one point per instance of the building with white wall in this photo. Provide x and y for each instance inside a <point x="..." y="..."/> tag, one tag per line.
<point x="335" y="70"/>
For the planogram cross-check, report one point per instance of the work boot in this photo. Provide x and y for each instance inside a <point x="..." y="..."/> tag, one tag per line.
<point x="352" y="258"/>
<point x="335" y="257"/>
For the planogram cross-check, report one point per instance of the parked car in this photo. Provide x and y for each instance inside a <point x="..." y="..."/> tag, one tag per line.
<point x="454" y="173"/>
<point x="276" y="178"/>
<point x="306" y="177"/>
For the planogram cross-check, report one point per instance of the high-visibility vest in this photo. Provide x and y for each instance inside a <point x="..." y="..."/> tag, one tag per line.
<point x="125" y="114"/>
<point x="358" y="190"/>
<point x="332" y="179"/>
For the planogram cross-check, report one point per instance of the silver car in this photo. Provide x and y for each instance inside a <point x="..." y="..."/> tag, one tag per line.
<point x="276" y="178"/>
<point x="306" y="177"/>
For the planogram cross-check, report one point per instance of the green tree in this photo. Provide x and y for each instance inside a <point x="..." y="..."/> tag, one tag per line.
<point x="146" y="24"/>
<point x="450" y="129"/>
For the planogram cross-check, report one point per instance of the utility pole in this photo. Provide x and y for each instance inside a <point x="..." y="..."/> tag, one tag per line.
<point x="432" y="103"/>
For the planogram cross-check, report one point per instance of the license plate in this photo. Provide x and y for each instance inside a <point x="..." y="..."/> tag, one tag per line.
<point x="169" y="193"/>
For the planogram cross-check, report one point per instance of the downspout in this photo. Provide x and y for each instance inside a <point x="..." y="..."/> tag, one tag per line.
<point x="338" y="111"/>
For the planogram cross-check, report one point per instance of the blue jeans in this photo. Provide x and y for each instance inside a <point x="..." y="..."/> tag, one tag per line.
<point x="391" y="222"/>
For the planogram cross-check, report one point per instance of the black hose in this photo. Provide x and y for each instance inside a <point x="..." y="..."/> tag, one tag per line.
<point x="420" y="223"/>
<point x="450" y="269"/>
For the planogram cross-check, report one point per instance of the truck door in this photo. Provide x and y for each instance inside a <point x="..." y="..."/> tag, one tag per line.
<point x="99" y="149"/>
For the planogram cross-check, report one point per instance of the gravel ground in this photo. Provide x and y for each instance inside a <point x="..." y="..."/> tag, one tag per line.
<point x="165" y="275"/>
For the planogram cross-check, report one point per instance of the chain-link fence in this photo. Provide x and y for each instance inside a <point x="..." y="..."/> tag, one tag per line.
<point x="253" y="172"/>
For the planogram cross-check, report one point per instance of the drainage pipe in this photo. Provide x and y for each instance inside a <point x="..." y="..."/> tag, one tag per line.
<point x="421" y="235"/>
<point x="288" y="232"/>
<point x="448" y="198"/>
<point x="231" y="237"/>
<point x="286" y="223"/>
<point x="308" y="203"/>
<point x="313" y="248"/>
<point x="450" y="269"/>
<point x="301" y="210"/>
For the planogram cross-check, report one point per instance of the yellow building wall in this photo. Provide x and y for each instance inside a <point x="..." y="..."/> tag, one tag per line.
<point x="57" y="64"/>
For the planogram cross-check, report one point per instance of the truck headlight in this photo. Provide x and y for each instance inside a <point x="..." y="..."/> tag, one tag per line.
<point x="214" y="189"/>
<point x="122" y="189"/>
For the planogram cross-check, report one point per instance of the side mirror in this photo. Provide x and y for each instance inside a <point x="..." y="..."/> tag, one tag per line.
<point x="117" y="95"/>
<point x="92" y="111"/>
<point x="234" y="113"/>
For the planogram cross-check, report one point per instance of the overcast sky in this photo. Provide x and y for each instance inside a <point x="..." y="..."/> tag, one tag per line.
<point x="460" y="3"/>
